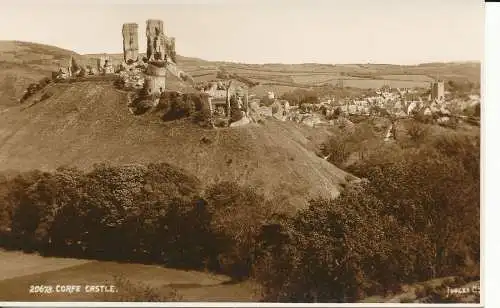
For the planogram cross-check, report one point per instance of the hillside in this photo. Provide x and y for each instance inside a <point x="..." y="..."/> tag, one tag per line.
<point x="22" y="63"/>
<point x="86" y="123"/>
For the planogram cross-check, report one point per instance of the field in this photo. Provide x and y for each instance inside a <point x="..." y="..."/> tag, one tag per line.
<point x="22" y="63"/>
<point x="24" y="270"/>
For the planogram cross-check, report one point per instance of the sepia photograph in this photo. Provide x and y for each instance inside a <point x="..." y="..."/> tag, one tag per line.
<point x="241" y="151"/>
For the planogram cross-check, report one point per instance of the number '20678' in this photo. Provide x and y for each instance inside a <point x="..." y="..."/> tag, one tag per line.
<point x="40" y="289"/>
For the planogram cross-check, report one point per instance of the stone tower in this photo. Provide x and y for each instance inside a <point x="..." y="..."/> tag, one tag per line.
<point x="160" y="47"/>
<point x="156" y="49"/>
<point x="130" y="42"/>
<point x="437" y="90"/>
<point x="155" y="79"/>
<point x="171" y="49"/>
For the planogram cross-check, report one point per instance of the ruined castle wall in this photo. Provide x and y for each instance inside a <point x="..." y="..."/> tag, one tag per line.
<point x="171" y="49"/>
<point x="130" y="32"/>
<point x="155" y="84"/>
<point x="154" y="70"/>
<point x="154" y="25"/>
<point x="154" y="29"/>
<point x="155" y="79"/>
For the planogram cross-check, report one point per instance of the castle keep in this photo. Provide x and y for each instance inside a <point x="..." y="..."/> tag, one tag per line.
<point x="155" y="78"/>
<point x="130" y="42"/>
<point x="160" y="47"/>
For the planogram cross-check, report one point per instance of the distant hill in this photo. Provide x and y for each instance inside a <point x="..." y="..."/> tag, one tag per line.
<point x="22" y="63"/>
<point x="86" y="123"/>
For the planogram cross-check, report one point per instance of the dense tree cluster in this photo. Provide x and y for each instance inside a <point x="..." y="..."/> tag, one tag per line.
<point x="415" y="218"/>
<point x="301" y="96"/>
<point x="187" y="105"/>
<point x="174" y="105"/>
<point x="151" y="214"/>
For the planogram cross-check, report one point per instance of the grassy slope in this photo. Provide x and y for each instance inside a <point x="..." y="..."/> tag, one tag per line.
<point x="22" y="63"/>
<point x="86" y="123"/>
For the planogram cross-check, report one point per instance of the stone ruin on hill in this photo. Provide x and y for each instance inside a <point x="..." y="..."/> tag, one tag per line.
<point x="105" y="65"/>
<point x="130" y="42"/>
<point x="157" y="73"/>
<point x="160" y="47"/>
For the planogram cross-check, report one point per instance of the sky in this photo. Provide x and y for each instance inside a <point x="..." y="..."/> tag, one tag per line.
<point x="263" y="31"/>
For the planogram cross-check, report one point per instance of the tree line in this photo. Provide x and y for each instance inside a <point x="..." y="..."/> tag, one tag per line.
<point x="415" y="217"/>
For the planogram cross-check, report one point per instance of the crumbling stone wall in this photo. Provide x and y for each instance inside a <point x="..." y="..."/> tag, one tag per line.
<point x="154" y="34"/>
<point x="130" y="42"/>
<point x="105" y="65"/>
<point x="155" y="79"/>
<point x="160" y="47"/>
<point x="171" y="49"/>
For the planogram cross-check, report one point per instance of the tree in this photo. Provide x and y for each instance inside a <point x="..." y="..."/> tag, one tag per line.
<point x="237" y="215"/>
<point x="334" y="251"/>
<point x="417" y="132"/>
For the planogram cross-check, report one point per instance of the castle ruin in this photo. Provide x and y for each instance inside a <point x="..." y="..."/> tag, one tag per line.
<point x="130" y="42"/>
<point x="155" y="79"/>
<point x="160" y="47"/>
<point x="105" y="65"/>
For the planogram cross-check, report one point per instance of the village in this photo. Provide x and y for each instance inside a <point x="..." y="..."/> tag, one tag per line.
<point x="300" y="156"/>
<point x="157" y="73"/>
<point x="436" y="107"/>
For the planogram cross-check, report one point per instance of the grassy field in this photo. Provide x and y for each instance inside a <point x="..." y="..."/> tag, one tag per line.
<point x="25" y="270"/>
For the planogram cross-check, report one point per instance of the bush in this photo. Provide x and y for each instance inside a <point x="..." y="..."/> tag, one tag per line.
<point x="417" y="132"/>
<point x="189" y="105"/>
<point x="336" y="150"/>
<point x="141" y="106"/>
<point x="238" y="213"/>
<point x="300" y="96"/>
<point x="44" y="82"/>
<point x="451" y="123"/>
<point x="336" y="250"/>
